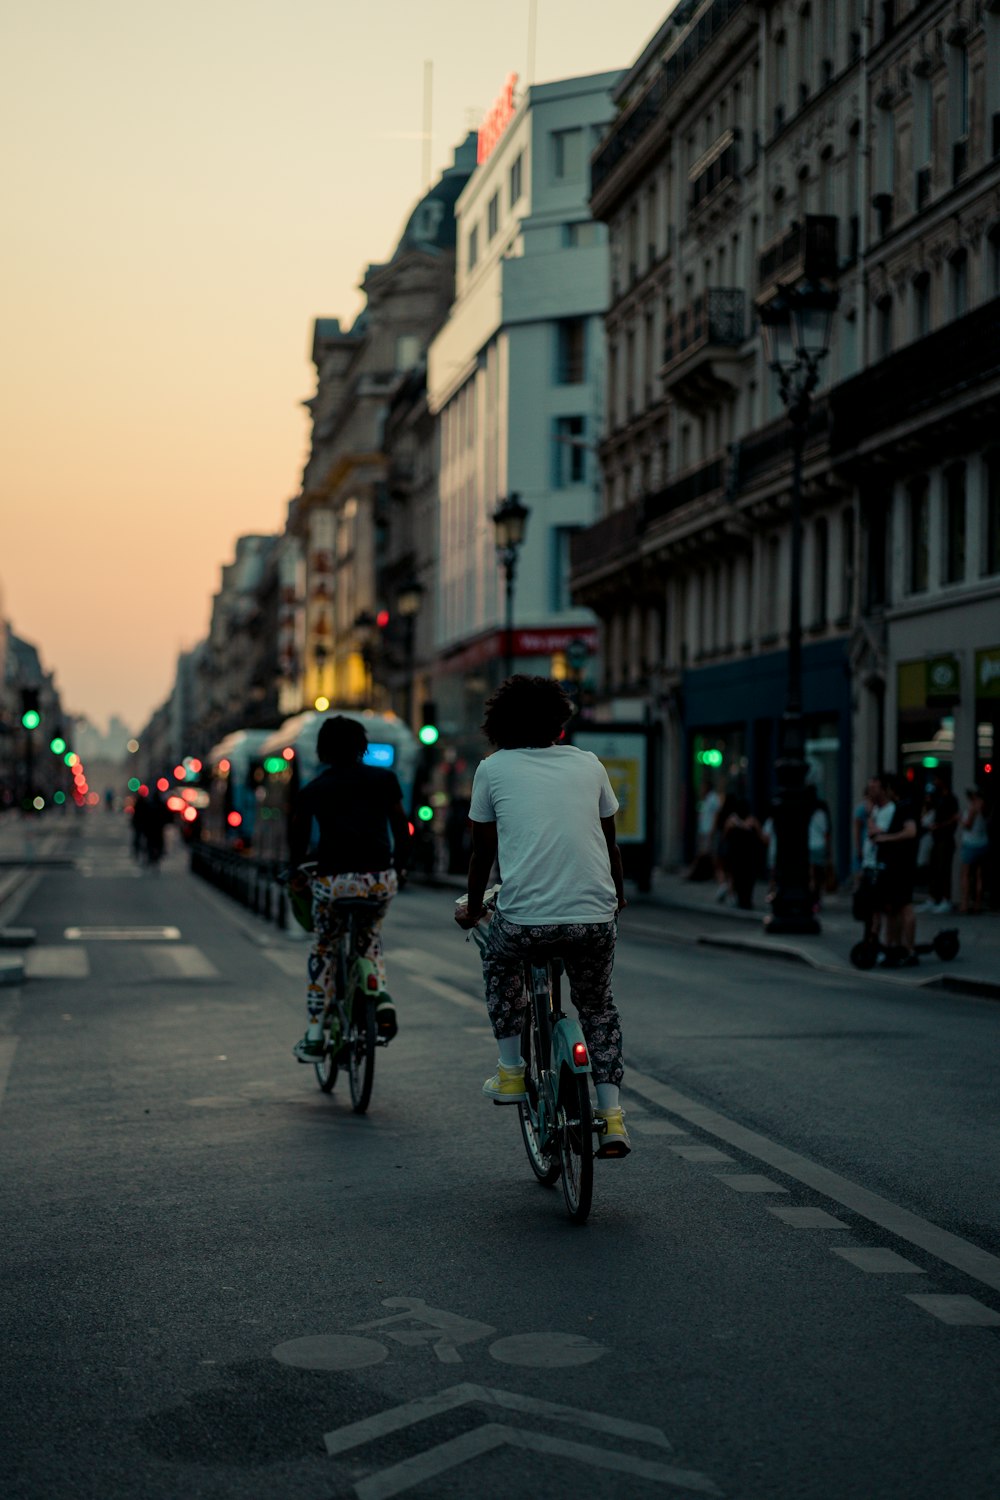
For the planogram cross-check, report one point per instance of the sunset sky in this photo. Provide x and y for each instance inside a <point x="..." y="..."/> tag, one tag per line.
<point x="185" y="187"/>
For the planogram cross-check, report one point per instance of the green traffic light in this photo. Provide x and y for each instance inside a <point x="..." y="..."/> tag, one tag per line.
<point x="58" y="745"/>
<point x="31" y="719"/>
<point x="428" y="734"/>
<point x="59" y="798"/>
<point x="425" y="813"/>
<point x="134" y="783"/>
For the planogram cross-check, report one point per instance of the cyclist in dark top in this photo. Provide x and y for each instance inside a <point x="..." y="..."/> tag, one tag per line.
<point x="356" y="807"/>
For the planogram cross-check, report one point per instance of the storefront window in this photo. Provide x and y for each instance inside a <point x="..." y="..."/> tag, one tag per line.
<point x="928" y="693"/>
<point x="720" y="757"/>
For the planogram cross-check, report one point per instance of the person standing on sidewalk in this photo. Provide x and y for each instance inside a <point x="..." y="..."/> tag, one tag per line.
<point x="896" y="848"/>
<point x="942" y="830"/>
<point x="975" y="849"/>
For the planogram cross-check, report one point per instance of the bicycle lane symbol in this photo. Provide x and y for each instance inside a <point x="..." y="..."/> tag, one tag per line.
<point x="413" y="1324"/>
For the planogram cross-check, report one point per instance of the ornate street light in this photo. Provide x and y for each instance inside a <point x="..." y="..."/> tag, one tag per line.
<point x="510" y="519"/>
<point x="795" y="329"/>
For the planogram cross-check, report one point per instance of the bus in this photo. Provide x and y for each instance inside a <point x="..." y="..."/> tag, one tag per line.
<point x="233" y="779"/>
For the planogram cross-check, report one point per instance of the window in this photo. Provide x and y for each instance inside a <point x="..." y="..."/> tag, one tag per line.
<point x="953" y="559"/>
<point x="991" y="498"/>
<point x="567" y="155"/>
<point x="993" y="256"/>
<point x="569" y="457"/>
<point x="876" y="578"/>
<point x="883" y="327"/>
<point x="921" y="305"/>
<point x="580" y="236"/>
<point x="821" y="550"/>
<point x="571" y="351"/>
<point x="516" y="176"/>
<point x="919" y="535"/>
<point x="958" y="283"/>
<point x="407" y="351"/>
<point x="493" y="216"/>
<point x="473" y="255"/>
<point x="562" y="537"/>
<point x="847" y="564"/>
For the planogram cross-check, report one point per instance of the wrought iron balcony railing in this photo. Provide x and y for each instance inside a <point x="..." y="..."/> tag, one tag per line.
<point x="715" y="319"/>
<point x="806" y="250"/>
<point x="719" y="165"/>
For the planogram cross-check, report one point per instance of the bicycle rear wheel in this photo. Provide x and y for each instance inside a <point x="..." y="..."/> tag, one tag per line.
<point x="326" y="1071"/>
<point x="544" y="1164"/>
<point x="361" y="1039"/>
<point x="575" y="1137"/>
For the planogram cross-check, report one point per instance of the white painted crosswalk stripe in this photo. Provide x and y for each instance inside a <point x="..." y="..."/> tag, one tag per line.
<point x="962" y="1312"/>
<point x="54" y="961"/>
<point x="878" y="1260"/>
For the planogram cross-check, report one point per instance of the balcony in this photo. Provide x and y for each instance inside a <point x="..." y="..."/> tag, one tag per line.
<point x="805" y="251"/>
<point x="694" y="485"/>
<point x="948" y="377"/>
<point x="718" y="168"/>
<point x="636" y="121"/>
<point x="701" y="345"/>
<point x="608" y="544"/>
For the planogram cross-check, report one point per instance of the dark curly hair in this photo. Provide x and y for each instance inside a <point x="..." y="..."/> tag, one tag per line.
<point x="341" y="741"/>
<point x="527" y="713"/>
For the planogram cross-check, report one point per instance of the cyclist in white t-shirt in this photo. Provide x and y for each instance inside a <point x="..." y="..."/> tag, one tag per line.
<point x="546" y="812"/>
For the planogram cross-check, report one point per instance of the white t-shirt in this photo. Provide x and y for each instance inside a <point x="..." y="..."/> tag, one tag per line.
<point x="882" y="818"/>
<point x="548" y="805"/>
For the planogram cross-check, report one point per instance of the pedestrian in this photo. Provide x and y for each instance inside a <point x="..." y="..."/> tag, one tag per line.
<point x="896" y="849"/>
<point x="974" y="851"/>
<point x="819" y="846"/>
<point x="942" y="827"/>
<point x="744" y="842"/>
<point x="859" y="830"/>
<point x="724" y="888"/>
<point x="705" y="847"/>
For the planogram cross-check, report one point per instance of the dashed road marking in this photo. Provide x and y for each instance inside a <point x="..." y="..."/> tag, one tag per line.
<point x="806" y="1218"/>
<point x="877" y="1259"/>
<point x="962" y="1312"/>
<point x="701" y="1153"/>
<point x="122" y="934"/>
<point x="56" y="962"/>
<point x="901" y="1222"/>
<point x="448" y="992"/>
<point x="750" y="1182"/>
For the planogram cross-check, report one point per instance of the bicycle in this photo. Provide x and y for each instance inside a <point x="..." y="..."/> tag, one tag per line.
<point x="557" y="1121"/>
<point x="350" y="1025"/>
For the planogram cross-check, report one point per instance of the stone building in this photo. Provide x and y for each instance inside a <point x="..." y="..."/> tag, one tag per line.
<point x="752" y="150"/>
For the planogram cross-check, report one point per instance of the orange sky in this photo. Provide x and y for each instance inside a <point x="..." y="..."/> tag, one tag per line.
<point x="184" y="189"/>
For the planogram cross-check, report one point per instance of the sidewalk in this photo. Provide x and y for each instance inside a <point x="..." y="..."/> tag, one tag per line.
<point x="976" y="970"/>
<point x="28" y="844"/>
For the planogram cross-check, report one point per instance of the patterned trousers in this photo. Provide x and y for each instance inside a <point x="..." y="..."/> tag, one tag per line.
<point x="588" y="951"/>
<point x="330" y="923"/>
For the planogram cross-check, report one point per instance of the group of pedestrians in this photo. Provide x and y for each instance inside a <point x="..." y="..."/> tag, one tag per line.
<point x="738" y="849"/>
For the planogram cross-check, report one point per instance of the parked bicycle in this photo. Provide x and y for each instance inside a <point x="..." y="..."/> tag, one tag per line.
<point x="557" y="1121"/>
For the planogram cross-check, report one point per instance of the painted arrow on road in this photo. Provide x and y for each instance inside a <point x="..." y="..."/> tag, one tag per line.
<point x="491" y="1435"/>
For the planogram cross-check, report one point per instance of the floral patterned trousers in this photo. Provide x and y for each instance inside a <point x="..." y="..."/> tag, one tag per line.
<point x="588" y="951"/>
<point x="329" y="924"/>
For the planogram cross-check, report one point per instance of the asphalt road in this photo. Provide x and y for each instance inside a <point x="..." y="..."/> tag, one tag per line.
<point x="219" y="1282"/>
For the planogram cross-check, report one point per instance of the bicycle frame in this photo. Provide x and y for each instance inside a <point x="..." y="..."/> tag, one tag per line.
<point x="560" y="1037"/>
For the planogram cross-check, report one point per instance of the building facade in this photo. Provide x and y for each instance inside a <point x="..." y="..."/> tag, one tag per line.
<point x="514" y="380"/>
<point x="749" y="154"/>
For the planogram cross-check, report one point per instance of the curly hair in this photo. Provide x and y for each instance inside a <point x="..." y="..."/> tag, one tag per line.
<point x="527" y="713"/>
<point x="341" y="741"/>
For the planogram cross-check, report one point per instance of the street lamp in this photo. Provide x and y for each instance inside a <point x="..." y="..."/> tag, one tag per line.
<point x="510" y="519"/>
<point x="795" y="329"/>
<point x="409" y="597"/>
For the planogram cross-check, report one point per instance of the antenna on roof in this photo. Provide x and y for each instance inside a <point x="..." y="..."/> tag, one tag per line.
<point x="428" y="112"/>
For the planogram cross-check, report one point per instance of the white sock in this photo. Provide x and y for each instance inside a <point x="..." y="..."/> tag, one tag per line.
<point x="607" y="1095"/>
<point x="510" y="1051"/>
<point x="314" y="1031"/>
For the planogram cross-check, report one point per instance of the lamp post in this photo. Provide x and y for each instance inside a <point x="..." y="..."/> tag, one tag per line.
<point x="795" y="329"/>
<point x="510" y="519"/>
<point x="409" y="597"/>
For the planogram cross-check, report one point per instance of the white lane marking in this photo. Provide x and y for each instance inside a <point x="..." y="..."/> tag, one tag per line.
<point x="941" y="1243"/>
<point x="445" y="1456"/>
<point x="330" y="1351"/>
<point x="8" y="1046"/>
<point x="750" y="1182"/>
<point x="701" y="1153"/>
<point x="292" y="964"/>
<point x="962" y="1312"/>
<point x="449" y="992"/>
<point x="188" y="961"/>
<point x="806" y="1218"/>
<point x="877" y="1259"/>
<point x="421" y="958"/>
<point x="396" y="1418"/>
<point x="56" y="962"/>
<point x="546" y="1351"/>
<point x="653" y="1127"/>
<point x="121" y="934"/>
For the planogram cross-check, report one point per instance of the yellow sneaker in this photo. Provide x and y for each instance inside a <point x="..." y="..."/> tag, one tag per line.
<point x="614" y="1139"/>
<point x="506" y="1086"/>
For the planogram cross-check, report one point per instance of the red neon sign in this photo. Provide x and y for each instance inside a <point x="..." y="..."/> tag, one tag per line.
<point x="496" y="120"/>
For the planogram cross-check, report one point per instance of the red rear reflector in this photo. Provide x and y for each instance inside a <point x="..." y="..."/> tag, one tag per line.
<point x="373" y="981"/>
<point x="580" y="1054"/>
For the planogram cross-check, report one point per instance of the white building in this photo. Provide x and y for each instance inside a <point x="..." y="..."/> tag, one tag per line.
<point x="515" y="377"/>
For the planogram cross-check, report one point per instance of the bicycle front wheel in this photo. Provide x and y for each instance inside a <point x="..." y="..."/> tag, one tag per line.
<point x="575" y="1137"/>
<point x="544" y="1162"/>
<point x="326" y="1071"/>
<point x="361" y="1040"/>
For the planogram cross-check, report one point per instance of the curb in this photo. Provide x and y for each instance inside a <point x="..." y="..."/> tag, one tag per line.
<point x="766" y="950"/>
<point x="11" y="971"/>
<point x="959" y="984"/>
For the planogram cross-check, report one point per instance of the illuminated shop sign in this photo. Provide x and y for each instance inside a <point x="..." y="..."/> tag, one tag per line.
<point x="496" y="120"/>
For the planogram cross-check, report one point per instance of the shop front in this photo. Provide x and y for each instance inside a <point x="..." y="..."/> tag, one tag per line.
<point x="732" y="716"/>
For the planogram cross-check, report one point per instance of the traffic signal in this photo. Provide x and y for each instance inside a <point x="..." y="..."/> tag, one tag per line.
<point x="30" y="717"/>
<point x="428" y="734"/>
<point x="58" y="744"/>
<point x="425" y="812"/>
